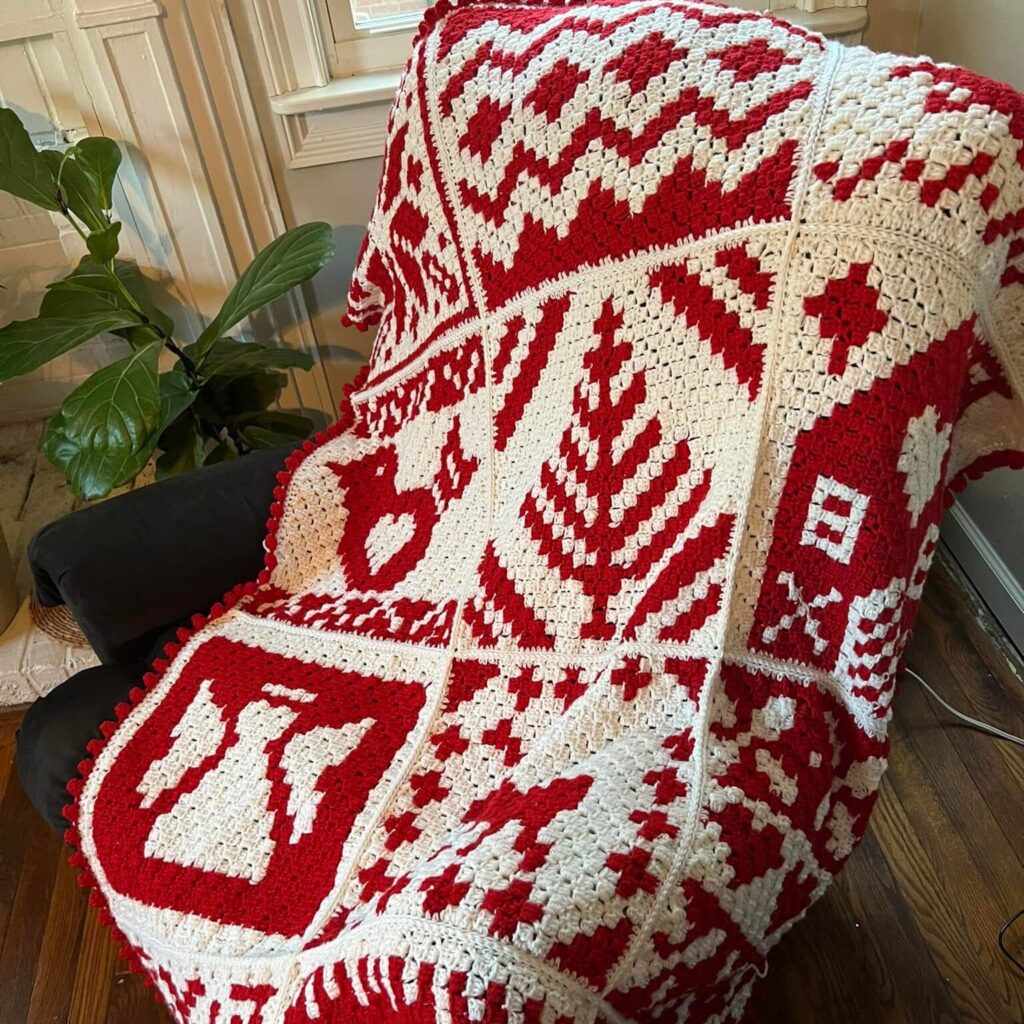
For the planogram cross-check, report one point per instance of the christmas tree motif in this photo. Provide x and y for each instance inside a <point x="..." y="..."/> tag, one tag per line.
<point x="601" y="512"/>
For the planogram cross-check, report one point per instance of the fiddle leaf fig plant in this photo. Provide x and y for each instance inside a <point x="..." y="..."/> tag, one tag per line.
<point x="214" y="403"/>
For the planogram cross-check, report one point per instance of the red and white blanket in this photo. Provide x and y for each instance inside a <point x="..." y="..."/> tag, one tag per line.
<point x="565" y="689"/>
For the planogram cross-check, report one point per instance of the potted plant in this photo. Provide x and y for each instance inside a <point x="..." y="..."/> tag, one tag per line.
<point x="213" y="403"/>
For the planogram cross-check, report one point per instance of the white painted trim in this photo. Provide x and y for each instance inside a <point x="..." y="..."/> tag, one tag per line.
<point x="291" y="43"/>
<point x="93" y="14"/>
<point x="990" y="575"/>
<point x="47" y="24"/>
<point x="335" y="136"/>
<point x="845" y="24"/>
<point x="238" y="168"/>
<point x="204" y="223"/>
<point x="813" y="5"/>
<point x="340" y="93"/>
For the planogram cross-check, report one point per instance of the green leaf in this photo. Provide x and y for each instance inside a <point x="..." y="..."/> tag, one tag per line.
<point x="101" y="157"/>
<point x="103" y="245"/>
<point x="25" y="345"/>
<point x="252" y="393"/>
<point x="141" y="289"/>
<point x="69" y="298"/>
<point x="80" y="192"/>
<point x="182" y="446"/>
<point x="272" y="429"/>
<point x="228" y="358"/>
<point x="176" y="395"/>
<point x="89" y="288"/>
<point x="89" y="277"/>
<point x="107" y="428"/>
<point x="23" y="171"/>
<point x="288" y="261"/>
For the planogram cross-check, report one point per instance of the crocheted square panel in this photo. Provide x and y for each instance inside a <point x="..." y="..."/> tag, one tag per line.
<point x="564" y="691"/>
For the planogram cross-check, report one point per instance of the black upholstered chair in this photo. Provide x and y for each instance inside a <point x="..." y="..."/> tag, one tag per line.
<point x="132" y="570"/>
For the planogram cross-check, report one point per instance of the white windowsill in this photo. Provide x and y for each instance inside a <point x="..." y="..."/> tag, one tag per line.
<point x="837" y="22"/>
<point x="339" y="94"/>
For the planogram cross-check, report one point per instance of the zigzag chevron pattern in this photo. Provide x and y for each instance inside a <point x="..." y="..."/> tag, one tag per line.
<point x="583" y="180"/>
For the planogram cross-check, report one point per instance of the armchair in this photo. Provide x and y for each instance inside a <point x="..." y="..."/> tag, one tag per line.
<point x="132" y="570"/>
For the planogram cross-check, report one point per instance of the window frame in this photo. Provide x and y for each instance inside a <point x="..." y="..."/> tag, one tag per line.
<point x="382" y="45"/>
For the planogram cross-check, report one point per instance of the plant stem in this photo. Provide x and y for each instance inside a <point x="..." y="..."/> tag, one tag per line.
<point x="191" y="371"/>
<point x="144" y="321"/>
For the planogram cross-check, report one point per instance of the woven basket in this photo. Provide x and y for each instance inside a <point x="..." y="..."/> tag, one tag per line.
<point x="58" y="622"/>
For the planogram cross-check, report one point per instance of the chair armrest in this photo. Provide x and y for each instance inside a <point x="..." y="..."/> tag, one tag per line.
<point x="130" y="567"/>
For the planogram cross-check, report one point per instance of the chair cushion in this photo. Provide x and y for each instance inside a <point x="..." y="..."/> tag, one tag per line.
<point x="565" y="690"/>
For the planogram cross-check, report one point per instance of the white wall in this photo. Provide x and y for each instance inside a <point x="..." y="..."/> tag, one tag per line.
<point x="343" y="195"/>
<point x="986" y="35"/>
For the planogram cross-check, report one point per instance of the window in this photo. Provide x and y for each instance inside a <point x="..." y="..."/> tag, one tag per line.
<point x="371" y="35"/>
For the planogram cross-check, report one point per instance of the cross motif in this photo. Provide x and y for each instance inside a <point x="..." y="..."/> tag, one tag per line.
<point x="501" y="738"/>
<point x="569" y="689"/>
<point x="802" y="611"/>
<point x="525" y="687"/>
<point x="653" y="824"/>
<point x="848" y="313"/>
<point x="450" y="741"/>
<point x="401" y="828"/>
<point x="427" y="787"/>
<point x="632" y="871"/>
<point x="667" y="784"/>
<point x="443" y="890"/>
<point x="510" y="907"/>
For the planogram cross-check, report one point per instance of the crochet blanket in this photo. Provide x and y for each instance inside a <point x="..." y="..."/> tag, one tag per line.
<point x="565" y="689"/>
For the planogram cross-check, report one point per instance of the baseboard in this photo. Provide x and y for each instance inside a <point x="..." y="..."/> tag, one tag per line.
<point x="1001" y="591"/>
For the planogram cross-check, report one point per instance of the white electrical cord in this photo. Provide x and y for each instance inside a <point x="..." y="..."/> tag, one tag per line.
<point x="1001" y="734"/>
<point x="973" y="722"/>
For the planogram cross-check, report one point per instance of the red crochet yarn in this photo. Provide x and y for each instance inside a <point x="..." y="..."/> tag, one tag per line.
<point x="564" y="690"/>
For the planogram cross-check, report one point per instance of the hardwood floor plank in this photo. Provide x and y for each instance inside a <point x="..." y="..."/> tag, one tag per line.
<point x="961" y="674"/>
<point x="55" y="973"/>
<point x="992" y="681"/>
<point x="131" y="1002"/>
<point x="26" y="925"/>
<point x="94" y="974"/>
<point x="8" y="728"/>
<point x="17" y="822"/>
<point x="927" y="751"/>
<point x="950" y="906"/>
<point x="863" y="939"/>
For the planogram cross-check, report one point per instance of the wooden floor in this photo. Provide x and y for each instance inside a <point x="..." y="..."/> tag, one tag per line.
<point x="907" y="935"/>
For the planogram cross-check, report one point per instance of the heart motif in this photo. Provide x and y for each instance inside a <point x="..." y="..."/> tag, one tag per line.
<point x="387" y="531"/>
<point x="387" y="537"/>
